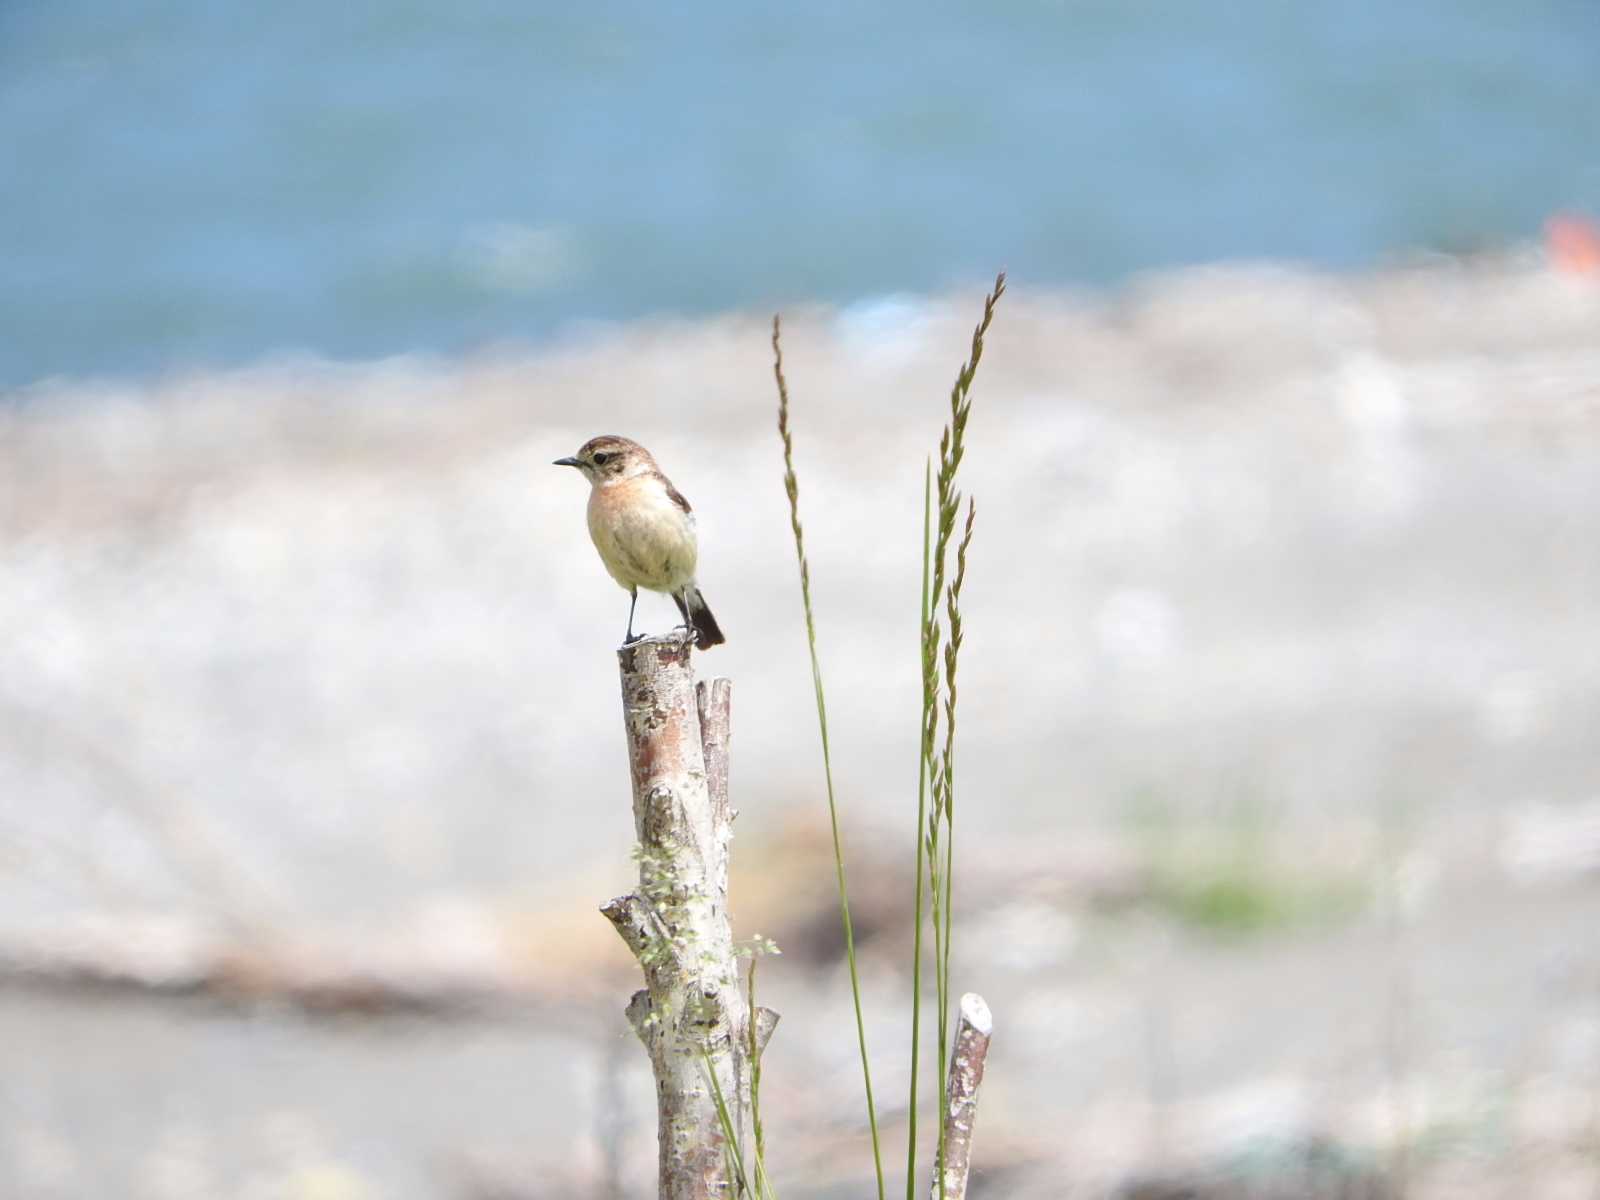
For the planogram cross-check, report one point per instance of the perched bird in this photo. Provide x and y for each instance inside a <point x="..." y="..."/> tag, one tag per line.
<point x="644" y="529"/>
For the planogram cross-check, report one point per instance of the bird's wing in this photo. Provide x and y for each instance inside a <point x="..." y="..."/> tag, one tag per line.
<point x="676" y="497"/>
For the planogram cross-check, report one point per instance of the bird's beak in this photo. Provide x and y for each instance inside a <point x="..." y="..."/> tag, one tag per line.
<point x="566" y="462"/>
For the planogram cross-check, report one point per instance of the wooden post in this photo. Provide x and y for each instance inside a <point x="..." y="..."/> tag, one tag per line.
<point x="967" y="1058"/>
<point x="676" y="923"/>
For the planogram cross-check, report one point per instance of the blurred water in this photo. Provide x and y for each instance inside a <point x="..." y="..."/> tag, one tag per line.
<point x="192" y="183"/>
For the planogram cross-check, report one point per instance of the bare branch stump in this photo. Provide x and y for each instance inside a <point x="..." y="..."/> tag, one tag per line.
<point x="966" y="1075"/>
<point x="676" y="923"/>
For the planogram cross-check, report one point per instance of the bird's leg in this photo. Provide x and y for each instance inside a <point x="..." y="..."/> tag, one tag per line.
<point x="629" y="639"/>
<point x="691" y="635"/>
<point x="681" y="599"/>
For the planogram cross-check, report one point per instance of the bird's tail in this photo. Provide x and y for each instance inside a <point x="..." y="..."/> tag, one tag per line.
<point x="693" y="607"/>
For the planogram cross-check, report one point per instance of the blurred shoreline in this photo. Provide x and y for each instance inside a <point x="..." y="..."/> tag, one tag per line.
<point x="1282" y="674"/>
<point x="1248" y="497"/>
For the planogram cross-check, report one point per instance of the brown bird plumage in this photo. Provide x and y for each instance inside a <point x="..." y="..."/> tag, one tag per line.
<point x="644" y="529"/>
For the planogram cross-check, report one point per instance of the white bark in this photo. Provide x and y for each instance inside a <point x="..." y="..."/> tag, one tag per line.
<point x="676" y="923"/>
<point x="966" y="1076"/>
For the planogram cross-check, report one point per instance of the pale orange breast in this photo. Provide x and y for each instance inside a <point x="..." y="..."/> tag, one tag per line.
<point x="644" y="539"/>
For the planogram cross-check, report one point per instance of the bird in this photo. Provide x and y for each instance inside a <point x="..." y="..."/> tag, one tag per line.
<point x="644" y="530"/>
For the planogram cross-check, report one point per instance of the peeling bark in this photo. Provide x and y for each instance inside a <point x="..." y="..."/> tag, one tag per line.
<point x="676" y="923"/>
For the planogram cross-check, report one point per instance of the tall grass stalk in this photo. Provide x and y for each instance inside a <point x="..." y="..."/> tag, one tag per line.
<point x="791" y="486"/>
<point x="732" y="1151"/>
<point x="936" y="826"/>
<point x="946" y="804"/>
<point x="922" y="816"/>
<point x="935" y="841"/>
<point x="753" y="1051"/>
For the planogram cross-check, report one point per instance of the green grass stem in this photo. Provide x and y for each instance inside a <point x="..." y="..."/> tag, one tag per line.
<point x="939" y="768"/>
<point x="753" y="1050"/>
<point x="730" y="1137"/>
<point x="791" y="486"/>
<point x="935" y="840"/>
<point x="922" y="816"/>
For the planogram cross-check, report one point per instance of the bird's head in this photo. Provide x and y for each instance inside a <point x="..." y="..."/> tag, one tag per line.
<point x="608" y="457"/>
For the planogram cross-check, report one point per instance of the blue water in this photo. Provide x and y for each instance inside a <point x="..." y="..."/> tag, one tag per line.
<point x="190" y="182"/>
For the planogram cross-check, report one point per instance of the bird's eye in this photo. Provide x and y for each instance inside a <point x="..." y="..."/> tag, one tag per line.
<point x="602" y="457"/>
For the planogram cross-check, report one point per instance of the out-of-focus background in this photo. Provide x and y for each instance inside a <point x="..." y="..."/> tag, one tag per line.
<point x="1279" y="831"/>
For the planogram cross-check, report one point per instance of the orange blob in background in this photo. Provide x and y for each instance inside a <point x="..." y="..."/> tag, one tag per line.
<point x="1573" y="243"/>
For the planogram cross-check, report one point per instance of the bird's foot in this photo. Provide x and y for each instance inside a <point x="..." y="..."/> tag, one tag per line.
<point x="635" y="637"/>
